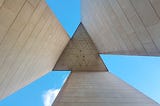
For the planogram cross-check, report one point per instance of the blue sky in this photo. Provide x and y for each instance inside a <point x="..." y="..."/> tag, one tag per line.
<point x="142" y="72"/>
<point x="41" y="92"/>
<point x="67" y="12"/>
<point x="139" y="71"/>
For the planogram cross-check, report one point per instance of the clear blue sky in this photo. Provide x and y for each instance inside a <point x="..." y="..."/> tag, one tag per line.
<point x="67" y="12"/>
<point x="41" y="92"/>
<point x="140" y="72"/>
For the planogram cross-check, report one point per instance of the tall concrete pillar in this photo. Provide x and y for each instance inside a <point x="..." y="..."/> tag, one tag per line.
<point x="99" y="89"/>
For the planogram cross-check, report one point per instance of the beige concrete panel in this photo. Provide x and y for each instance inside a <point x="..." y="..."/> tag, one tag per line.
<point x="156" y="6"/>
<point x="31" y="47"/>
<point x="99" y="89"/>
<point x="13" y="33"/>
<point x="47" y="58"/>
<point x="145" y="11"/>
<point x="21" y="41"/>
<point x="80" y="54"/>
<point x="95" y="28"/>
<point x="1" y="3"/>
<point x="22" y="65"/>
<point x="8" y="13"/>
<point x="23" y="37"/>
<point x="109" y="99"/>
<point x="106" y="104"/>
<point x="114" y="23"/>
<point x="132" y="39"/>
<point x="121" y="26"/>
<point x="118" y="32"/>
<point x="14" y="6"/>
<point x="124" y="26"/>
<point x="137" y="44"/>
<point x="121" y="16"/>
<point x="138" y="26"/>
<point x="155" y="32"/>
<point x="34" y="3"/>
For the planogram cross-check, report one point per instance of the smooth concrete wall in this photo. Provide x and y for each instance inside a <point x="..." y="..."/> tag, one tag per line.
<point x="123" y="26"/>
<point x="80" y="54"/>
<point x="99" y="89"/>
<point x="31" y="41"/>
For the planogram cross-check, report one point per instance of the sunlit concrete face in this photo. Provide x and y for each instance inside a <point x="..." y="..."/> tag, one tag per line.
<point x="31" y="40"/>
<point x="99" y="89"/>
<point x="123" y="26"/>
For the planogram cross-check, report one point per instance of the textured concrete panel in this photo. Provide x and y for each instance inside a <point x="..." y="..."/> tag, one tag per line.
<point x="31" y="41"/>
<point x="156" y="5"/>
<point x="80" y="54"/>
<point x="145" y="12"/>
<point x="123" y="26"/>
<point x="1" y="2"/>
<point x="99" y="89"/>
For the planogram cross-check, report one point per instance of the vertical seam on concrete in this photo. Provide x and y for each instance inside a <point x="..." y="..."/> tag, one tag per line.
<point x="123" y="29"/>
<point x="16" y="40"/>
<point x="12" y="22"/>
<point x="32" y="32"/>
<point x="2" y="4"/>
<point x="18" y="37"/>
<point x="154" y="9"/>
<point x="133" y="28"/>
<point x="146" y="29"/>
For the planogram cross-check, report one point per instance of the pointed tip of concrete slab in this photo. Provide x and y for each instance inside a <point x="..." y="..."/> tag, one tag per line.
<point x="80" y="54"/>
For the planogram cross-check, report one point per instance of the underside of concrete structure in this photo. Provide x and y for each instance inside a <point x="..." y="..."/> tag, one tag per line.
<point x="123" y="26"/>
<point x="90" y="83"/>
<point x="32" y="42"/>
<point x="80" y="54"/>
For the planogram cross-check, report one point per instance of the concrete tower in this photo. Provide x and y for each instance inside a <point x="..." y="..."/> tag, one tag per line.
<point x="32" y="42"/>
<point x="90" y="83"/>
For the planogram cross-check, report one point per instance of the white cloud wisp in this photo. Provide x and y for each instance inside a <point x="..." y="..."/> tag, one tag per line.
<point x="49" y="96"/>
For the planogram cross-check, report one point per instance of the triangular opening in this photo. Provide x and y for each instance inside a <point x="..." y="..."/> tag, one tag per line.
<point x="80" y="54"/>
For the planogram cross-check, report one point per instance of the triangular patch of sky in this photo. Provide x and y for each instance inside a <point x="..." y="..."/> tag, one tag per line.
<point x="67" y="12"/>
<point x="41" y="92"/>
<point x="141" y="72"/>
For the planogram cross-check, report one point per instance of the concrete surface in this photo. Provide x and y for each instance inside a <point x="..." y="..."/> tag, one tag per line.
<point x="31" y="41"/>
<point x="99" y="89"/>
<point x="123" y="26"/>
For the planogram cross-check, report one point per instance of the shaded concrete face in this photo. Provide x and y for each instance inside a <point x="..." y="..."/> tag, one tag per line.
<point x="80" y="54"/>
<point x="123" y="26"/>
<point x="99" y="89"/>
<point x="31" y="40"/>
